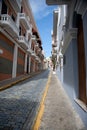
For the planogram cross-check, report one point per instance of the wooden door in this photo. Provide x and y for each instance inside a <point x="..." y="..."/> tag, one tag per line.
<point x="81" y="62"/>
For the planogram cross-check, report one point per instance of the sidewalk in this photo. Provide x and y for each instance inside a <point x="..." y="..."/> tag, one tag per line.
<point x="59" y="113"/>
<point x="9" y="82"/>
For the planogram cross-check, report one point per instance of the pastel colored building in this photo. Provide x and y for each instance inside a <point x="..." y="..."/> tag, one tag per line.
<point x="70" y="19"/>
<point x="20" y="42"/>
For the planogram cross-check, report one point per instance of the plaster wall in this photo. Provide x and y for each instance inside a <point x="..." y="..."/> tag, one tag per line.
<point x="70" y="77"/>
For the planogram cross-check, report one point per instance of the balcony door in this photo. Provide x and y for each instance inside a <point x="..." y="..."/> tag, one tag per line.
<point x="81" y="61"/>
<point x="4" y="8"/>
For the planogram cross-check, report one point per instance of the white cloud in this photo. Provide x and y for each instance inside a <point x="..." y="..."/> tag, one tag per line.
<point x="37" y="5"/>
<point x="39" y="8"/>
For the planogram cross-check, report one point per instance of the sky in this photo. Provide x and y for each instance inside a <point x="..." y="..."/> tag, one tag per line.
<point x="43" y="15"/>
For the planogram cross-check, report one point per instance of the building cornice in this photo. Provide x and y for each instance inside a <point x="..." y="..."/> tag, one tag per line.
<point x="71" y="34"/>
<point x="57" y="2"/>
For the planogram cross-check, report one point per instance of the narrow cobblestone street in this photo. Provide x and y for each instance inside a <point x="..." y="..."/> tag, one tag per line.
<point x="43" y="64"/>
<point x="19" y="104"/>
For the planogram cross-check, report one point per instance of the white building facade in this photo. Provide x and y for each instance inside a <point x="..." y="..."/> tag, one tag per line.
<point x="72" y="45"/>
<point x="20" y="41"/>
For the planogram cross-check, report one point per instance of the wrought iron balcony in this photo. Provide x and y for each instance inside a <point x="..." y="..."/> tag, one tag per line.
<point x="23" y="42"/>
<point x="25" y="20"/>
<point x="9" y="25"/>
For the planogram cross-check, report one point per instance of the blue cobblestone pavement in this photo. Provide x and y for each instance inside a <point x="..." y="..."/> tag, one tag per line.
<point x="19" y="104"/>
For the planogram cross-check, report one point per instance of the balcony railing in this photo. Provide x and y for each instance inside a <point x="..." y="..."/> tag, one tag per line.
<point x="34" y="38"/>
<point x="25" y="20"/>
<point x="9" y="25"/>
<point x="23" y="42"/>
<point x="36" y="45"/>
<point x="33" y="54"/>
<point x="54" y="42"/>
<point x="29" y="50"/>
<point x="37" y="59"/>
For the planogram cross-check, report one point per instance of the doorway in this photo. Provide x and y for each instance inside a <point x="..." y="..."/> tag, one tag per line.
<point x="81" y="61"/>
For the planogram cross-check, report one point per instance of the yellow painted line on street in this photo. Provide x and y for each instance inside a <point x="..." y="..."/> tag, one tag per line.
<point x="41" y="108"/>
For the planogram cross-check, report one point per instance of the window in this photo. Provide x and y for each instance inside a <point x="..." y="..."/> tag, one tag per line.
<point x="20" y="31"/>
<point x="13" y="18"/>
<point x="81" y="61"/>
<point x="21" y="9"/>
<point x="4" y="8"/>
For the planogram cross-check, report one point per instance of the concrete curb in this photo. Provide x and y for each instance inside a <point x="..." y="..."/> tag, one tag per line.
<point x="17" y="81"/>
<point x="40" y="110"/>
<point x="13" y="83"/>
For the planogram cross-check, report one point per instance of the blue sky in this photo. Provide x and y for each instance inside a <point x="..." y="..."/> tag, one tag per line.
<point x="43" y="15"/>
